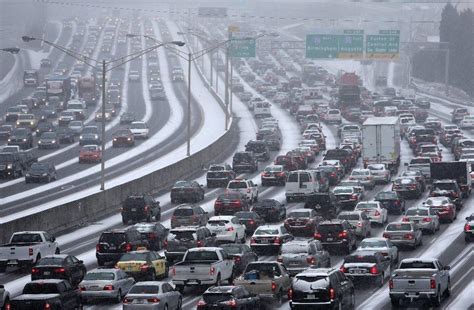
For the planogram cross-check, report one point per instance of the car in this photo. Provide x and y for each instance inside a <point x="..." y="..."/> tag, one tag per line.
<point x="467" y="122"/>
<point x="271" y="210"/>
<point x="48" y="140"/>
<point x="21" y="137"/>
<point x="443" y="207"/>
<point x="302" y="222"/>
<point x="318" y="288"/>
<point x="183" y="238"/>
<point x="76" y="127"/>
<point x="187" y="191"/>
<point x="298" y="255"/>
<point x="331" y="173"/>
<point x="140" y="207"/>
<point x="392" y="201"/>
<point x="123" y="137"/>
<point x="244" y="161"/>
<point x="424" y="218"/>
<point x="90" y="154"/>
<point x="245" y="187"/>
<point x="127" y="118"/>
<point x="365" y="176"/>
<point x="189" y="215"/>
<point x="289" y="163"/>
<point x="403" y="234"/>
<point x="90" y="135"/>
<point x="418" y="175"/>
<point x="156" y="295"/>
<point x="230" y="203"/>
<point x="219" y="175"/>
<point x="144" y="265"/>
<point x="274" y="174"/>
<point x="367" y="265"/>
<point x="59" y="266"/>
<point x="242" y="255"/>
<point x="228" y="297"/>
<point x="41" y="172"/>
<point x="45" y="63"/>
<point x="250" y="219"/>
<point x="347" y="197"/>
<point x="447" y="188"/>
<point x="359" y="221"/>
<point x="139" y="130"/>
<point x="407" y="187"/>
<point x="65" y="135"/>
<point x="269" y="238"/>
<point x="5" y="131"/>
<point x="134" y="76"/>
<point x="380" y="173"/>
<point x="374" y="211"/>
<point x="26" y="121"/>
<point x="336" y="234"/>
<point x="458" y="114"/>
<point x="382" y="246"/>
<point x="469" y="228"/>
<point x="334" y="163"/>
<point x="154" y="233"/>
<point x="115" y="242"/>
<point x="333" y="116"/>
<point x="43" y="127"/>
<point x="65" y="117"/>
<point x="227" y="228"/>
<point x="105" y="284"/>
<point x="259" y="148"/>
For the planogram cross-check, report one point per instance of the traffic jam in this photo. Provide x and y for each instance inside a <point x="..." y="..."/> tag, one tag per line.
<point x="339" y="195"/>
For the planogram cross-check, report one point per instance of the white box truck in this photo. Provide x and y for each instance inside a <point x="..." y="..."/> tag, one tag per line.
<point x="381" y="142"/>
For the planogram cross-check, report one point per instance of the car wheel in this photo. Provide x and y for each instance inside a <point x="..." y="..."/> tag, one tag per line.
<point x="218" y="280"/>
<point x="381" y="280"/>
<point x="118" y="298"/>
<point x="437" y="300"/>
<point x="447" y="292"/>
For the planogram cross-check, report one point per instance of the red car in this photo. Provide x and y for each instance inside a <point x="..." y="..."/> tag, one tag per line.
<point x="123" y="137"/>
<point x="288" y="163"/>
<point x="445" y="207"/>
<point x="230" y="203"/>
<point x="90" y="154"/>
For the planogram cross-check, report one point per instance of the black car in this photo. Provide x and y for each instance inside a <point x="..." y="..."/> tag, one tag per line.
<point x="336" y="234"/>
<point x="447" y="188"/>
<point x="140" y="207"/>
<point x="21" y="137"/>
<point x="242" y="255"/>
<point x="270" y="210"/>
<point x="244" y="161"/>
<point x="187" y="191"/>
<point x="65" y="135"/>
<point x="59" y="266"/>
<point x="259" y="148"/>
<point x="321" y="288"/>
<point x="113" y="243"/>
<point x="219" y="175"/>
<point x="228" y="297"/>
<point x="154" y="233"/>
<point x="391" y="201"/>
<point x="250" y="219"/>
<point x="44" y="127"/>
<point x="5" y="131"/>
<point x="367" y="265"/>
<point x="127" y="118"/>
<point x="41" y="172"/>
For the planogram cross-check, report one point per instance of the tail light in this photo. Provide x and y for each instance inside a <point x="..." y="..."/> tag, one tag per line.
<point x="165" y="244"/>
<point x="311" y="260"/>
<point x="47" y="306"/>
<point x="236" y="202"/>
<point x="252" y="222"/>
<point x="277" y="240"/>
<point x="60" y="270"/>
<point x="201" y="304"/>
<point x="390" y="284"/>
<point x="146" y="209"/>
<point x="127" y="300"/>
<point x="231" y="228"/>
<point x="34" y="270"/>
<point x="343" y="269"/>
<point x="343" y="234"/>
<point x="173" y="271"/>
<point x="153" y="300"/>
<point x="274" y="286"/>
<point x="253" y="241"/>
<point x="454" y="194"/>
<point x="377" y="213"/>
<point x="248" y="190"/>
<point x="374" y="270"/>
<point x="200" y="243"/>
<point x="30" y="251"/>
<point x="408" y="236"/>
<point x="317" y="236"/>
<point x="108" y="287"/>
<point x="467" y="227"/>
<point x="332" y="293"/>
<point x="432" y="283"/>
<point x="281" y="174"/>
<point x="359" y="224"/>
<point x="386" y="235"/>
<point x="237" y="259"/>
<point x="397" y="202"/>
<point x="333" y="174"/>
<point x="405" y="219"/>
<point x="413" y="186"/>
<point x="212" y="270"/>
<point x="231" y="303"/>
<point x="280" y="259"/>
<point x="151" y="236"/>
<point x="127" y="247"/>
<point x="8" y="307"/>
<point x="354" y="197"/>
<point x="427" y="219"/>
<point x="144" y="267"/>
<point x="82" y="288"/>
<point x="290" y="294"/>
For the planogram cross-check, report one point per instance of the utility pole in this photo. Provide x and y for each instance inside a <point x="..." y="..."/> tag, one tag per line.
<point x="226" y="87"/>
<point x="188" y="148"/>
<point x="446" y="72"/>
<point x="102" y="162"/>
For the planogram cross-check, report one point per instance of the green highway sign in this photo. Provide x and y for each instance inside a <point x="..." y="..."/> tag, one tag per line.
<point x="242" y="48"/>
<point x="383" y="46"/>
<point x="348" y="45"/>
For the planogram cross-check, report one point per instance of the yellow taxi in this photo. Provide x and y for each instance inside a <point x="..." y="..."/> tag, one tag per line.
<point x="144" y="265"/>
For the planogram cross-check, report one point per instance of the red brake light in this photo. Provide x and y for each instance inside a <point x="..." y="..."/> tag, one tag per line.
<point x="343" y="234"/>
<point x="151" y="236"/>
<point x="332" y="293"/>
<point x="47" y="306"/>
<point x="317" y="236"/>
<point x="433" y="283"/>
<point x="231" y="303"/>
<point x="144" y="267"/>
<point x="200" y="243"/>
<point x="146" y="209"/>
<point x="127" y="247"/>
<point x="201" y="303"/>
<point x="153" y="300"/>
<point x="277" y="240"/>
<point x="30" y="251"/>
<point x="173" y="271"/>
<point x="354" y="197"/>
<point x="237" y="259"/>
<point x="467" y="227"/>
<point x="108" y="287"/>
<point x="390" y="284"/>
<point x="60" y="270"/>
<point x="386" y="235"/>
<point x="231" y="228"/>
<point x="165" y="244"/>
<point x="34" y="270"/>
<point x="82" y="288"/>
<point x="311" y="260"/>
<point x="253" y="241"/>
<point x="373" y="270"/>
<point x="274" y="286"/>
<point x="212" y="270"/>
<point x="343" y="269"/>
<point x="290" y="294"/>
<point x="252" y="222"/>
<point x="408" y="236"/>
<point x="377" y="212"/>
<point x="427" y="219"/>
<point x="405" y="219"/>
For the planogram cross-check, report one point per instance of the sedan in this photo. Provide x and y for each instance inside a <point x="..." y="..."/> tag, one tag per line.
<point x="274" y="174"/>
<point x="228" y="297"/>
<point x="269" y="237"/>
<point x="90" y="154"/>
<point x="298" y="255"/>
<point x="365" y="176"/>
<point x="374" y="211"/>
<point x="358" y="220"/>
<point x="382" y="245"/>
<point x="152" y="295"/>
<point x="65" y="135"/>
<point x="250" y="219"/>
<point x="241" y="253"/>
<point x="391" y="201"/>
<point x="59" y="266"/>
<point x="103" y="283"/>
<point x="144" y="264"/>
<point x="366" y="265"/>
<point x="270" y="210"/>
<point x="190" y="191"/>
<point x="444" y="207"/>
<point x="41" y="172"/>
<point x="154" y="233"/>
<point x="139" y="130"/>
<point x="331" y="172"/>
<point x="407" y="187"/>
<point x="43" y="127"/>
<point x="123" y="137"/>
<point x="48" y="140"/>
<point x="424" y="218"/>
<point x="380" y="173"/>
<point x="403" y="234"/>
<point x="302" y="222"/>
<point x="127" y="118"/>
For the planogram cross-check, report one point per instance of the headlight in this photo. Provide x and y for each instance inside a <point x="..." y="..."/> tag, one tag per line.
<point x="81" y="137"/>
<point x="96" y="136"/>
<point x="115" y="139"/>
<point x="45" y="174"/>
<point x="9" y="166"/>
<point x="129" y="139"/>
<point x="9" y="140"/>
<point x="17" y="123"/>
<point x="24" y="140"/>
<point x="32" y="123"/>
<point x="39" y="142"/>
<point x="54" y="141"/>
<point x="27" y="175"/>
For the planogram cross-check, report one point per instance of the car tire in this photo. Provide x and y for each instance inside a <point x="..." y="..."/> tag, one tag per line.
<point x="118" y="298"/>
<point x="124" y="220"/>
<point x="381" y="280"/>
<point x="436" y="301"/>
<point x="218" y="280"/>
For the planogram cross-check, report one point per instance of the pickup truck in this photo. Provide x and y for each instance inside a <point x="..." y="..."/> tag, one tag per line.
<point x="203" y="266"/>
<point x="269" y="280"/>
<point x="4" y="297"/>
<point x="420" y="278"/>
<point x="26" y="248"/>
<point x="344" y="156"/>
<point x="47" y="294"/>
<point x="421" y="163"/>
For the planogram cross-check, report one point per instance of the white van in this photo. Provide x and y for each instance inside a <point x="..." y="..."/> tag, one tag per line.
<point x="300" y="183"/>
<point x="262" y="109"/>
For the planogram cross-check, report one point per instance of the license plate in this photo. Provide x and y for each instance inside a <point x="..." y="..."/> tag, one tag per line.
<point x="329" y="239"/>
<point x="295" y="263"/>
<point x="47" y="273"/>
<point x="357" y="271"/>
<point x="416" y="221"/>
<point x="13" y="262"/>
<point x="396" y="238"/>
<point x="112" y="247"/>
<point x="311" y="296"/>
<point x="264" y="241"/>
<point x="134" y="209"/>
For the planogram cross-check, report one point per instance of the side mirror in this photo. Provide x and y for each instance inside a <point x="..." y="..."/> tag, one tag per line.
<point x="447" y="268"/>
<point x="81" y="262"/>
<point x="53" y="238"/>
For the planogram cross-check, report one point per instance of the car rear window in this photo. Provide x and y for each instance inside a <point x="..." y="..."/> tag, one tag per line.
<point x="298" y="214"/>
<point x="182" y="235"/>
<point x="51" y="261"/>
<point x="201" y="255"/>
<point x="415" y="212"/>
<point x="40" y="288"/>
<point x="214" y="298"/>
<point x="128" y="257"/>
<point x="294" y="248"/>
<point x="183" y="212"/>
<point x="386" y="195"/>
<point x="93" y="276"/>
<point x="144" y="289"/>
<point x="237" y="185"/>
<point x="398" y="227"/>
<point x="315" y="280"/>
<point x="112" y="238"/>
<point x="360" y="259"/>
<point x="348" y="217"/>
<point x="218" y="222"/>
<point x="26" y="238"/>
<point x="325" y="228"/>
<point x="266" y="231"/>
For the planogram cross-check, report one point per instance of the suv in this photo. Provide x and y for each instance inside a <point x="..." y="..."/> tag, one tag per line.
<point x="448" y="188"/>
<point x="321" y="287"/>
<point x="189" y="215"/>
<point x="183" y="238"/>
<point x="140" y="207"/>
<point x="336" y="233"/>
<point x="90" y="135"/>
<point x="21" y="137"/>
<point x="113" y="243"/>
<point x="246" y="187"/>
<point x="259" y="148"/>
<point x="219" y="175"/>
<point x="244" y="161"/>
<point x="367" y="265"/>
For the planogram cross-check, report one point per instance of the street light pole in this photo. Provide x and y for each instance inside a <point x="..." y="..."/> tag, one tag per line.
<point x="226" y="88"/>
<point x="212" y="56"/>
<point x="102" y="162"/>
<point x="446" y="72"/>
<point x="188" y="149"/>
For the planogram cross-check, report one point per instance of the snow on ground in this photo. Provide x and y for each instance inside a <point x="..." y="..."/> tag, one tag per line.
<point x="464" y="300"/>
<point x="12" y="81"/>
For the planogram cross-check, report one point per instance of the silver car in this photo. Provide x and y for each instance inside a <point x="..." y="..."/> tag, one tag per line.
<point x="153" y="295"/>
<point x="105" y="283"/>
<point x="380" y="173"/>
<point x="364" y="176"/>
<point x="359" y="221"/>
<point x="424" y="218"/>
<point x="403" y="234"/>
<point x="298" y="255"/>
<point x="382" y="245"/>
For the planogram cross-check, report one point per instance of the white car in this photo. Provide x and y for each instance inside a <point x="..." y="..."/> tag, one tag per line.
<point x="333" y="116"/>
<point x="374" y="211"/>
<point x="380" y="173"/>
<point x="467" y="122"/>
<point x="364" y="176"/>
<point x="382" y="245"/>
<point x="227" y="228"/>
<point x="134" y="75"/>
<point x="140" y="130"/>
<point x="245" y="187"/>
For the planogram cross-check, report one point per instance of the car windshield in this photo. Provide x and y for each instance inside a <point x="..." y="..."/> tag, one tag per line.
<point x="360" y="172"/>
<point x="266" y="231"/>
<point x="294" y="248"/>
<point x="376" y="167"/>
<point x="416" y="212"/>
<point x="128" y="257"/>
<point x="144" y="227"/>
<point x="93" y="276"/>
<point x="360" y="259"/>
<point x="436" y="202"/>
<point x="48" y="135"/>
<point x="398" y="227"/>
<point x="124" y="132"/>
<point x="298" y="214"/>
<point x="75" y="124"/>
<point x="184" y="235"/>
<point x="183" y="212"/>
<point x="51" y="261"/>
<point x="144" y="289"/>
<point x="89" y="148"/>
<point x="36" y="167"/>
<point x="315" y="280"/>
<point x="90" y="130"/>
<point x="372" y="244"/>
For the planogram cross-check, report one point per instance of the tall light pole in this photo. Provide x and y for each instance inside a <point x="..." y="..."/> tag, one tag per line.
<point x="105" y="66"/>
